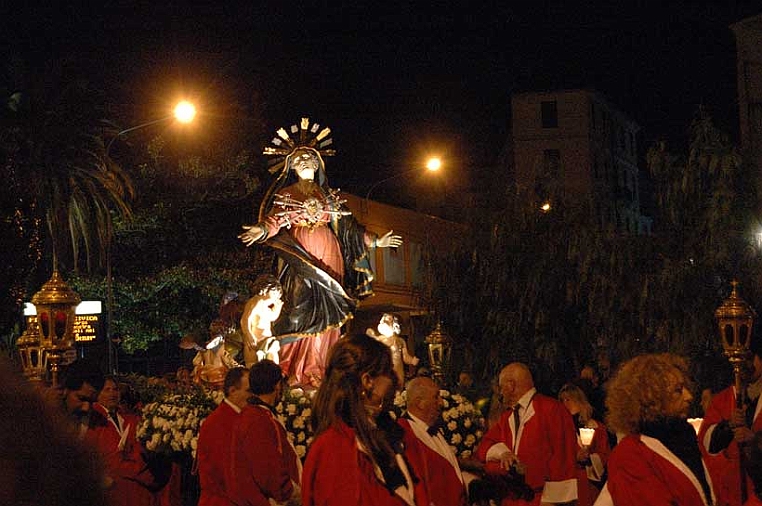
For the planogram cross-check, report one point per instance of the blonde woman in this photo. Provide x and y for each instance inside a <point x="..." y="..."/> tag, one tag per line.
<point x="591" y="458"/>
<point x="658" y="461"/>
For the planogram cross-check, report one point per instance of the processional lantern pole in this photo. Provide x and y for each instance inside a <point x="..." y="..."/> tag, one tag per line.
<point x="735" y="319"/>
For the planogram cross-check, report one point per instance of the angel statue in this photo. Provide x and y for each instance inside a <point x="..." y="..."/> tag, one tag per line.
<point x="259" y="313"/>
<point x="322" y="252"/>
<point x="389" y="334"/>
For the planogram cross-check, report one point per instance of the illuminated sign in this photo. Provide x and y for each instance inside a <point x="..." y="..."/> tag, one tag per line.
<point x="86" y="322"/>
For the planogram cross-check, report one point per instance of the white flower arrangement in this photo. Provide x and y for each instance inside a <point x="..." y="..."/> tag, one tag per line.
<point x="171" y="424"/>
<point x="294" y="412"/>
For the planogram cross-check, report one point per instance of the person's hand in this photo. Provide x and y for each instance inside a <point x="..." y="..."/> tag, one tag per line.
<point x="583" y="454"/>
<point x="253" y="234"/>
<point x="388" y="240"/>
<point x="743" y="434"/>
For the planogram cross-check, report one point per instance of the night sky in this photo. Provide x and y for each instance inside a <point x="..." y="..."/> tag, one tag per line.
<point x="395" y="81"/>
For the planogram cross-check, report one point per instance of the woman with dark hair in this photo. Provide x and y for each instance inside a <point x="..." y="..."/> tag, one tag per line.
<point x="658" y="462"/>
<point x="323" y="259"/>
<point x="355" y="459"/>
<point x="592" y="454"/>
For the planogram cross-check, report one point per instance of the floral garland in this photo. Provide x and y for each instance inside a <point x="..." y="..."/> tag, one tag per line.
<point x="171" y="424"/>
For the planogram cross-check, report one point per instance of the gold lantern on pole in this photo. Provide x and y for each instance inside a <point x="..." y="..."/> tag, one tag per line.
<point x="55" y="304"/>
<point x="735" y="318"/>
<point x="440" y="347"/>
<point x="33" y="360"/>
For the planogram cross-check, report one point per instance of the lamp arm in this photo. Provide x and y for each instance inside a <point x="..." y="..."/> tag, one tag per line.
<point x="128" y="130"/>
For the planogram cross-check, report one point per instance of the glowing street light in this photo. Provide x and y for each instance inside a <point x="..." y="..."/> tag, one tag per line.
<point x="184" y="111"/>
<point x="432" y="165"/>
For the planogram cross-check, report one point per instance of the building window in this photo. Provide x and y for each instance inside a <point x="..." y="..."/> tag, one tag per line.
<point x="551" y="162"/>
<point x="394" y="266"/>
<point x="549" y="114"/>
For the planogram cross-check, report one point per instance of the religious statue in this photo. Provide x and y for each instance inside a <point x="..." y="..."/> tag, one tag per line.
<point x="213" y="360"/>
<point x="322" y="252"/>
<point x="389" y="334"/>
<point x="259" y="313"/>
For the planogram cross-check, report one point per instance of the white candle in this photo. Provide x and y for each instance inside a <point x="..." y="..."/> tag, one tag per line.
<point x="696" y="422"/>
<point x="586" y="436"/>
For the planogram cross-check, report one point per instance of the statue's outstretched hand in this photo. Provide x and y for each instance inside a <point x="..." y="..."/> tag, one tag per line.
<point x="388" y="240"/>
<point x="253" y="234"/>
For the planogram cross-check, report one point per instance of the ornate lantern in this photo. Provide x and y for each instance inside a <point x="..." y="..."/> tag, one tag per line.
<point x="55" y="303"/>
<point x="735" y="319"/>
<point x="32" y="354"/>
<point x="440" y="347"/>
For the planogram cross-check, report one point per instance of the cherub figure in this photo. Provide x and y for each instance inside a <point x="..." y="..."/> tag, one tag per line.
<point x="389" y="333"/>
<point x="259" y="313"/>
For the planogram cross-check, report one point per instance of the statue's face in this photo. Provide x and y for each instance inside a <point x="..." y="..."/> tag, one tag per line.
<point x="305" y="164"/>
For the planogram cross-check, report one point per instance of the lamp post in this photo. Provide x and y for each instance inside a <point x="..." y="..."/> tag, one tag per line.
<point x="183" y="112"/>
<point x="439" y="344"/>
<point x="433" y="164"/>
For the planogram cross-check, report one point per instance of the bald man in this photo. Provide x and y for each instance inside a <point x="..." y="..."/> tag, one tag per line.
<point x="536" y="436"/>
<point x="433" y="461"/>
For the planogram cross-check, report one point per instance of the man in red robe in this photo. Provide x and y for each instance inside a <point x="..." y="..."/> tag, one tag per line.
<point x="112" y="434"/>
<point x="216" y="444"/>
<point x="266" y="465"/>
<point x="440" y="481"/>
<point x="535" y="436"/>
<point x="725" y="427"/>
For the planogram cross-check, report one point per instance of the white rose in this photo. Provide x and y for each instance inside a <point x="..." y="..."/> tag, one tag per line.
<point x="298" y="422"/>
<point x="452" y="425"/>
<point x="300" y="437"/>
<point x="456" y="439"/>
<point x="167" y="437"/>
<point x="470" y="440"/>
<point x="307" y="413"/>
<point x="301" y="450"/>
<point x="467" y="423"/>
<point x="194" y="443"/>
<point x="465" y="454"/>
<point x="291" y="409"/>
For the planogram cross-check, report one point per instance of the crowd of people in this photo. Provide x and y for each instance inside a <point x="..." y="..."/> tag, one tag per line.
<point x="635" y="448"/>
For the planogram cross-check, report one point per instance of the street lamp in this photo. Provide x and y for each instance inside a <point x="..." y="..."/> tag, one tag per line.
<point x="184" y="112"/>
<point x="433" y="164"/>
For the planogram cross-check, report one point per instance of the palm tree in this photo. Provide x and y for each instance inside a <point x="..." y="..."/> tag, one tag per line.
<point x="53" y="132"/>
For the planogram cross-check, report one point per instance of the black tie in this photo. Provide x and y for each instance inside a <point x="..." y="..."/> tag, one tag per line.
<point x="516" y="419"/>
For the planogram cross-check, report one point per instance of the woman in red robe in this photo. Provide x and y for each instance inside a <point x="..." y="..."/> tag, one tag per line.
<point x="356" y="458"/>
<point x="591" y="457"/>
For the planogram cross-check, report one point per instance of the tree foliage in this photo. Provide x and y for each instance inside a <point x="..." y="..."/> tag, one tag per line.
<point x="556" y="290"/>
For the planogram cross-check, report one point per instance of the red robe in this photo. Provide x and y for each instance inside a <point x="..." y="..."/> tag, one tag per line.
<point x="439" y="483"/>
<point x="214" y="456"/>
<point x="753" y="501"/>
<point x="547" y="445"/>
<point x="724" y="467"/>
<point x="643" y="471"/>
<point x="124" y="466"/>
<point x="588" y="488"/>
<point x="264" y="462"/>
<point x="338" y="473"/>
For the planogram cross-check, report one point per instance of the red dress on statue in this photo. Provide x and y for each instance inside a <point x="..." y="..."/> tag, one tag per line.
<point x="315" y="253"/>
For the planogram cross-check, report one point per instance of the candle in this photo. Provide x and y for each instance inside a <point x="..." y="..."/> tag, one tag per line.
<point x="586" y="436"/>
<point x="696" y="422"/>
